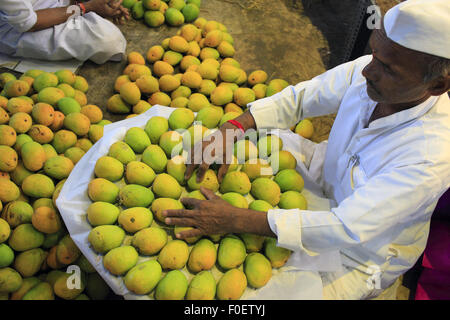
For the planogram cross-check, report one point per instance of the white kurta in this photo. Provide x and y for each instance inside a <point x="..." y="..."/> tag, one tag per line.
<point x="95" y="38"/>
<point x="383" y="181"/>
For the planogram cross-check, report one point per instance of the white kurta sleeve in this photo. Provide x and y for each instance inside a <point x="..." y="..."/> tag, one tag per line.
<point x="18" y="13"/>
<point x="321" y="95"/>
<point x="386" y="201"/>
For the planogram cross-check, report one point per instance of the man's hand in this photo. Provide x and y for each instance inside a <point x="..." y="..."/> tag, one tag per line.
<point x="216" y="216"/>
<point x="222" y="144"/>
<point x="108" y="9"/>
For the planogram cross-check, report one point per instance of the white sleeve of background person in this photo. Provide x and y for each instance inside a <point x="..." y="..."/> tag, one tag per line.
<point x="398" y="196"/>
<point x="18" y="13"/>
<point x="319" y="96"/>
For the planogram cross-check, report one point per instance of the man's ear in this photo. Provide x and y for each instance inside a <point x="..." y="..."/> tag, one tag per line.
<point x="439" y="86"/>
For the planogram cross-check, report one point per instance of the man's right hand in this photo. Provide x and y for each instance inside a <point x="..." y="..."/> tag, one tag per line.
<point x="108" y="9"/>
<point x="221" y="143"/>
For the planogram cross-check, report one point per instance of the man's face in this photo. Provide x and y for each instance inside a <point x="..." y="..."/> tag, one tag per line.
<point x="395" y="74"/>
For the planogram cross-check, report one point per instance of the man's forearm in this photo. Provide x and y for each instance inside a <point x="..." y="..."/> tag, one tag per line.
<point x="48" y="18"/>
<point x="251" y="221"/>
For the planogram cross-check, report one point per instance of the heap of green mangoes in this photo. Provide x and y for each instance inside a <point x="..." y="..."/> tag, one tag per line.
<point x="46" y="126"/>
<point x="143" y="175"/>
<point x="157" y="12"/>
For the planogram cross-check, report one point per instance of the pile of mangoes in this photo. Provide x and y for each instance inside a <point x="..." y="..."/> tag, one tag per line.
<point x="46" y="126"/>
<point x="143" y="174"/>
<point x="157" y="12"/>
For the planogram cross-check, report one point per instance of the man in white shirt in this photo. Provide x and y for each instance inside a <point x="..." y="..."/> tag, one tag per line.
<point x="62" y="29"/>
<point x="383" y="169"/>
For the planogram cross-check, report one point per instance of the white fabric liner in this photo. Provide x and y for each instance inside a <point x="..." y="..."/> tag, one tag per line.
<point x="297" y="280"/>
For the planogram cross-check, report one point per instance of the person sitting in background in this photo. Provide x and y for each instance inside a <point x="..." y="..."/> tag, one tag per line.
<point x="383" y="169"/>
<point x="62" y="29"/>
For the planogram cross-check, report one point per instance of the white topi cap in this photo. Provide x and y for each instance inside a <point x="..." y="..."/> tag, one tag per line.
<point x="421" y="25"/>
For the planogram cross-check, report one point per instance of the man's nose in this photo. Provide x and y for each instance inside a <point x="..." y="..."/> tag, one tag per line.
<point x="369" y="72"/>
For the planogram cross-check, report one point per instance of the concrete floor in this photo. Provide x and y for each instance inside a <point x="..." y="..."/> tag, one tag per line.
<point x="280" y="39"/>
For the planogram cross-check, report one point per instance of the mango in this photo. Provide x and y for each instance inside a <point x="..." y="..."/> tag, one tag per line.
<point x="228" y="73"/>
<point x="174" y="255"/>
<point x="27" y="285"/>
<point x="29" y="262"/>
<point x="293" y="200"/>
<point x="6" y="77"/>
<point x="231" y="252"/>
<point x="155" y="127"/>
<point x="198" y="101"/>
<point x="268" y="144"/>
<point x="8" y="135"/>
<point x="189" y="32"/>
<point x="74" y="154"/>
<point x="304" y="128"/>
<point x="210" y="116"/>
<point x="289" y="180"/>
<point x="190" y="12"/>
<point x="221" y="95"/>
<point x="67" y="251"/>
<point x="105" y="238"/>
<point x="181" y="119"/>
<point x="135" y="71"/>
<point x="58" y="167"/>
<point x="166" y="186"/>
<point x="149" y="241"/>
<point x="172" y="287"/>
<point x="51" y="96"/>
<point x="144" y="277"/>
<point x="41" y="133"/>
<point x="278" y="256"/>
<point x="257" y="269"/>
<point x="68" y="90"/>
<point x="45" y="80"/>
<point x="6" y="255"/>
<point x="232" y="285"/>
<point x="245" y="149"/>
<point x="153" y="18"/>
<point x="257" y="77"/>
<point x="46" y="220"/>
<point x="266" y="189"/>
<point x="203" y="256"/>
<point x="161" y="204"/>
<point x="81" y="84"/>
<point x="102" y="213"/>
<point x="5" y="230"/>
<point x="17" y="212"/>
<point x="15" y="105"/>
<point x="255" y="168"/>
<point x="122" y="79"/>
<point x="116" y="104"/>
<point x="8" y="191"/>
<point x="135" y="57"/>
<point x="226" y="49"/>
<point x="155" y="53"/>
<point x="139" y="173"/>
<point x="77" y="123"/>
<point x="192" y="135"/>
<point x="135" y="219"/>
<point x="84" y="144"/>
<point x="109" y="168"/>
<point x="68" y="105"/>
<point x="208" y="53"/>
<point x="161" y="68"/>
<point x="65" y="76"/>
<point x="100" y="189"/>
<point x="275" y="86"/>
<point x="141" y="107"/>
<point x="160" y="98"/>
<point x="259" y="90"/>
<point x="20" y="141"/>
<point x="176" y="167"/>
<point x="65" y="291"/>
<point x="25" y="237"/>
<point x="121" y="259"/>
<point x="4" y="116"/>
<point x="38" y="186"/>
<point x="8" y="159"/>
<point x="243" y="96"/>
<point x="122" y="152"/>
<point x="58" y="121"/>
<point x="194" y="48"/>
<point x="202" y="287"/>
<point x="96" y="287"/>
<point x="11" y="280"/>
<point x="155" y="157"/>
<point x="174" y="17"/>
<point x="188" y="61"/>
<point x="235" y="199"/>
<point x="130" y="93"/>
<point x="235" y="181"/>
<point x="21" y="122"/>
<point x="207" y="87"/>
<point x="171" y="143"/>
<point x="181" y="92"/>
<point x="62" y="140"/>
<point x="41" y="291"/>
